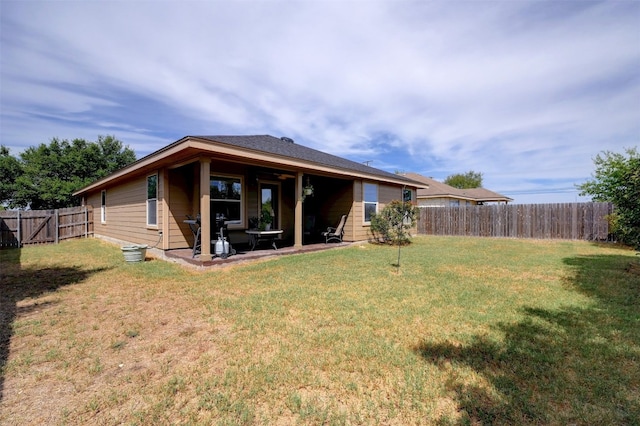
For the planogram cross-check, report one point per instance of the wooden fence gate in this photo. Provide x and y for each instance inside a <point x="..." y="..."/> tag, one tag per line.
<point x="569" y="221"/>
<point x="18" y="228"/>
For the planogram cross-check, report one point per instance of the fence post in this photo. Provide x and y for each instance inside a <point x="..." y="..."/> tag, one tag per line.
<point x="18" y="231"/>
<point x="57" y="225"/>
<point x="86" y="221"/>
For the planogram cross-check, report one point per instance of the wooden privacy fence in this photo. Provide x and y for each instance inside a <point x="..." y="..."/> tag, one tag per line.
<point x="18" y="228"/>
<point x="569" y="221"/>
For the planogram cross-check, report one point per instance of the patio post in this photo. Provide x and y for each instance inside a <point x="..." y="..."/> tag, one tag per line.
<point x="205" y="208"/>
<point x="297" y="227"/>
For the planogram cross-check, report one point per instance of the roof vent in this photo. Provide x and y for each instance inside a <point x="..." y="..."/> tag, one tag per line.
<point x="286" y="139"/>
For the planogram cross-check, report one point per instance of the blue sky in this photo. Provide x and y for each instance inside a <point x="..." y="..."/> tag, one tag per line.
<point x="525" y="92"/>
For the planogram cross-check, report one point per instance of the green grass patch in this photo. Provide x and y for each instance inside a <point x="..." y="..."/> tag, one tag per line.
<point x="466" y="331"/>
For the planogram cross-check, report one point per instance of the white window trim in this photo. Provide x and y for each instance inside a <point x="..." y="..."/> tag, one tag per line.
<point x="241" y="223"/>
<point x="149" y="199"/>
<point x="103" y="206"/>
<point x="364" y="202"/>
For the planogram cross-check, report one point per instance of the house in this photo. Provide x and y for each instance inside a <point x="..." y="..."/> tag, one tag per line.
<point x="234" y="179"/>
<point x="439" y="194"/>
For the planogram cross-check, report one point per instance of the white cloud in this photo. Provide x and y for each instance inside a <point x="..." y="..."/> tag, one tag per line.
<point x="516" y="90"/>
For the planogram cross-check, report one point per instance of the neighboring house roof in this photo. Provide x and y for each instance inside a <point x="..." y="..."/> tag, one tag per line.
<point x="482" y="194"/>
<point x="281" y="151"/>
<point x="442" y="190"/>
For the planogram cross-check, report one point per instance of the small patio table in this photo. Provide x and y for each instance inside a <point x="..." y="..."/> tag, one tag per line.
<point x="256" y="236"/>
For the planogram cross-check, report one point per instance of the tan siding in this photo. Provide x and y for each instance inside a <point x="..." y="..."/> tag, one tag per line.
<point x="94" y="200"/>
<point x="388" y="193"/>
<point x="341" y="206"/>
<point x="127" y="213"/>
<point x="251" y="205"/>
<point x="181" y="205"/>
<point x="360" y="231"/>
<point x="165" y="200"/>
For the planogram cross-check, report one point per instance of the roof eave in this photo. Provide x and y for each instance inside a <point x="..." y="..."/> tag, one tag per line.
<point x="205" y="146"/>
<point x="295" y="163"/>
<point x="145" y="161"/>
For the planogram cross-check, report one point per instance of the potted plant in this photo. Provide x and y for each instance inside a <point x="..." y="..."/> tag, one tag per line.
<point x="307" y="191"/>
<point x="266" y="219"/>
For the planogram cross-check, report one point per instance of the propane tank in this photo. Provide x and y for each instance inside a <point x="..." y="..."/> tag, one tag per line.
<point x="222" y="246"/>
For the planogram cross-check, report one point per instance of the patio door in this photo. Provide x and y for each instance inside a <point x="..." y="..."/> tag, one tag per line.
<point x="269" y="203"/>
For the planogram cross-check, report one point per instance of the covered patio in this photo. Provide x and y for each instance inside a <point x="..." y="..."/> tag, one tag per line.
<point x="244" y="254"/>
<point x="237" y="196"/>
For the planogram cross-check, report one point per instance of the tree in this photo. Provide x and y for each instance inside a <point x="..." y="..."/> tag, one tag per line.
<point x="52" y="173"/>
<point x="617" y="180"/>
<point x="467" y="180"/>
<point x="393" y="223"/>
<point x="10" y="170"/>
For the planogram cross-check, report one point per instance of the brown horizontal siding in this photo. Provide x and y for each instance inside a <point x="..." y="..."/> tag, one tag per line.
<point x="350" y="227"/>
<point x="360" y="230"/>
<point x="387" y="193"/>
<point x="341" y="205"/>
<point x="126" y="212"/>
<point x="179" y="198"/>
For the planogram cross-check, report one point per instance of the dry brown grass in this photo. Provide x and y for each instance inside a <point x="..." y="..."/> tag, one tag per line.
<point x="322" y="338"/>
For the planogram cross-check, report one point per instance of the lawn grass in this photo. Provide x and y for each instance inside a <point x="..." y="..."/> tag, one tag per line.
<point x="466" y="331"/>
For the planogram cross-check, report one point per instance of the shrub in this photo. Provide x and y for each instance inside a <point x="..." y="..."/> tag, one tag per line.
<point x="393" y="223"/>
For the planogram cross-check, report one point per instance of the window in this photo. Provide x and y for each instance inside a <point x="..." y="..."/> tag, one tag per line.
<point x="103" y="206"/>
<point x="407" y="195"/>
<point x="152" y="200"/>
<point x="370" y="200"/>
<point x="226" y="199"/>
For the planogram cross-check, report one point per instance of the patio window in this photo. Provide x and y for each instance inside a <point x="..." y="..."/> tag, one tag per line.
<point x="152" y="200"/>
<point x="226" y="199"/>
<point x="370" y="201"/>
<point x="103" y="206"/>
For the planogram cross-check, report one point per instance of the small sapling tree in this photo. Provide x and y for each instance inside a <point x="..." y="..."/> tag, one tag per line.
<point x="393" y="224"/>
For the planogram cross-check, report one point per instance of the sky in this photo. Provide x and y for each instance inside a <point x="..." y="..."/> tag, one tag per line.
<point x="525" y="92"/>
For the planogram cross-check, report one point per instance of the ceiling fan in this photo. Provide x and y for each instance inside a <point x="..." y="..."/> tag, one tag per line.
<point x="284" y="176"/>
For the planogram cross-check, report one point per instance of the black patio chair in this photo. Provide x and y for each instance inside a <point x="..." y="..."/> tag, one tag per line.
<point x="335" y="234"/>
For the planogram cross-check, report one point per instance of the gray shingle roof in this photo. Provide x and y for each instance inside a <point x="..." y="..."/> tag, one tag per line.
<point x="284" y="148"/>
<point x="287" y="148"/>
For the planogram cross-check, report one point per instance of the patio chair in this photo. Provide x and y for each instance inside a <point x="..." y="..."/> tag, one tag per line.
<point x="194" y="225"/>
<point x="335" y="234"/>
